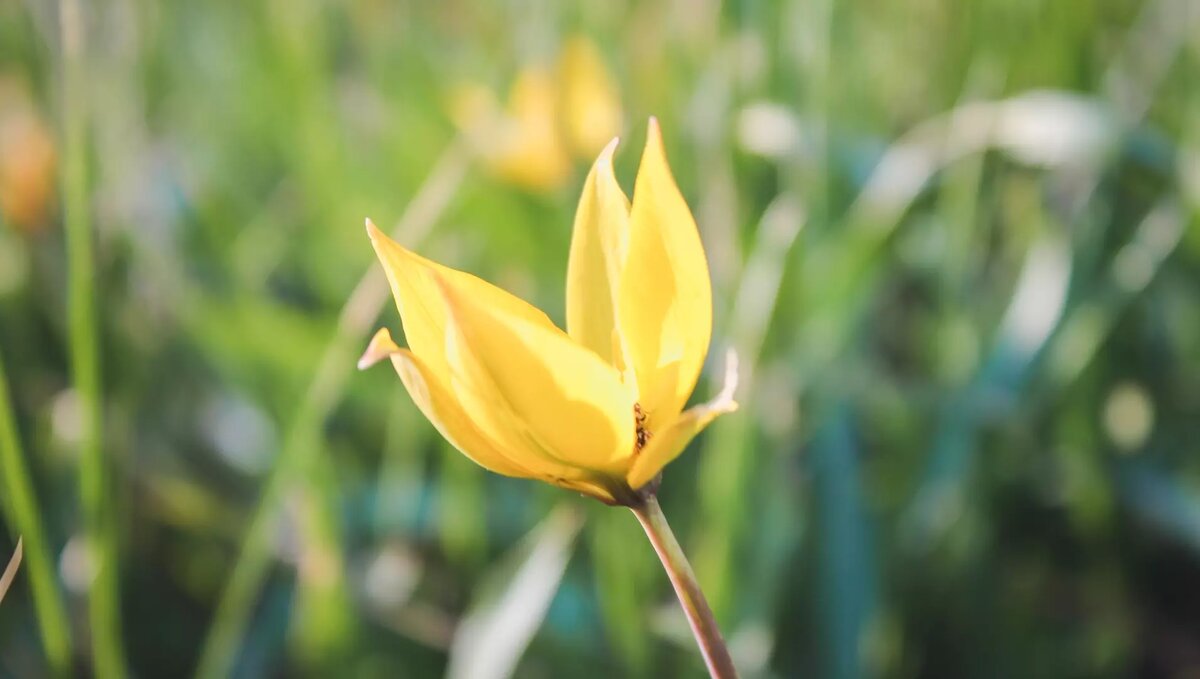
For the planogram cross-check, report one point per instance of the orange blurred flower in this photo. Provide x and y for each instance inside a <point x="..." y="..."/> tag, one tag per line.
<point x="27" y="162"/>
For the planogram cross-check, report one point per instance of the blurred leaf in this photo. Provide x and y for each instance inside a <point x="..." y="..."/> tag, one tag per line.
<point x="1034" y="312"/>
<point x="462" y="508"/>
<point x="512" y="599"/>
<point x="622" y="579"/>
<point x="22" y="514"/>
<point x="324" y="622"/>
<point x="1161" y="501"/>
<point x="728" y="457"/>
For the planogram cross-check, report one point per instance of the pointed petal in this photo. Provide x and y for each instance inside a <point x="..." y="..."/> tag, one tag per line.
<point x="531" y="387"/>
<point x="667" y="444"/>
<point x="665" y="303"/>
<point x="598" y="246"/>
<point x="422" y="306"/>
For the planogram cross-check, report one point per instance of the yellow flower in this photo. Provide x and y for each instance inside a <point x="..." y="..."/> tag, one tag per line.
<point x="552" y="115"/>
<point x="599" y="408"/>
<point x="591" y="107"/>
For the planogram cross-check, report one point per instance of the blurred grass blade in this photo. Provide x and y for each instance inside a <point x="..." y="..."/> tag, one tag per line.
<point x="304" y="435"/>
<point x="21" y="512"/>
<point x="623" y="576"/>
<point x="1133" y="268"/>
<point x="512" y="600"/>
<point x="845" y="591"/>
<point x="323" y="624"/>
<point x="99" y="520"/>
<point x="1160" y="501"/>
<point x="462" y="509"/>
<point x="1034" y="313"/>
<point x="10" y="571"/>
<point x="728" y="457"/>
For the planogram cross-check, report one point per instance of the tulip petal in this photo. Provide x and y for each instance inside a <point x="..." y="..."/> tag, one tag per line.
<point x="532" y="388"/>
<point x="598" y="246"/>
<point x="667" y="444"/>
<point x="665" y="303"/>
<point x="422" y="307"/>
<point x="437" y="404"/>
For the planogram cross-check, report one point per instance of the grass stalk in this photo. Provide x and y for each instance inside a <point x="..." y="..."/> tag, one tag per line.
<point x="21" y="510"/>
<point x="99" y="523"/>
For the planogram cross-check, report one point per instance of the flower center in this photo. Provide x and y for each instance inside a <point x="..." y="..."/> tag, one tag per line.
<point x="639" y="422"/>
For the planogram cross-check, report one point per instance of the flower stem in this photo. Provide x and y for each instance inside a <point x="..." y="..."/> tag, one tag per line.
<point x="695" y="606"/>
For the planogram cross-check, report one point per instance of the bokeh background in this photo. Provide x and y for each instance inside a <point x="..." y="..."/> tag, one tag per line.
<point x="955" y="242"/>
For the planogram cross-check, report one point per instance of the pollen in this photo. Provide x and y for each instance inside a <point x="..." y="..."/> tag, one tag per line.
<point x="639" y="421"/>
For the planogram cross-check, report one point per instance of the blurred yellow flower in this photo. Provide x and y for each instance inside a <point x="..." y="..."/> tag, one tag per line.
<point x="591" y="108"/>
<point x="551" y="115"/>
<point x="599" y="408"/>
<point x="522" y="145"/>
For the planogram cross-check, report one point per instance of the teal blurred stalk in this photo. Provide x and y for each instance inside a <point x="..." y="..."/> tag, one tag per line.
<point x="21" y="511"/>
<point x="100" y="529"/>
<point x="845" y="591"/>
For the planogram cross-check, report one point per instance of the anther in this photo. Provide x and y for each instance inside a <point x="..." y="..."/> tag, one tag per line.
<point x="643" y="435"/>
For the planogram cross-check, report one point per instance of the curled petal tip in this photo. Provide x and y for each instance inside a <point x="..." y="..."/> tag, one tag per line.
<point x="605" y="160"/>
<point x="381" y="347"/>
<point x="731" y="375"/>
<point x="372" y="230"/>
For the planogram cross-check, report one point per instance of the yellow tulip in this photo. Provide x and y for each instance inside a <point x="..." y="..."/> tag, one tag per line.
<point x="599" y="408"/>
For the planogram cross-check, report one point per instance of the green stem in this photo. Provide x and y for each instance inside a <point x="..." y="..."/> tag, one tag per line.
<point x="695" y="606"/>
<point x="20" y="507"/>
<point x="99" y="524"/>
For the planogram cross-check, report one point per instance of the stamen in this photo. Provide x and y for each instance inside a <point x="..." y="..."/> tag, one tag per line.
<point x="639" y="422"/>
